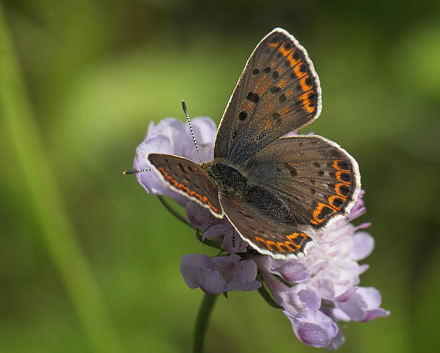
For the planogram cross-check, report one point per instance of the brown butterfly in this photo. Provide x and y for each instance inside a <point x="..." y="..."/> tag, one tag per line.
<point x="276" y="190"/>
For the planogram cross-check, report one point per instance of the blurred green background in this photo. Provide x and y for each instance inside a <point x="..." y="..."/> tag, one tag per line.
<point x="89" y="262"/>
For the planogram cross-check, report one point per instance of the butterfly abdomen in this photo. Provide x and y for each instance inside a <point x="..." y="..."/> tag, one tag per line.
<point x="270" y="204"/>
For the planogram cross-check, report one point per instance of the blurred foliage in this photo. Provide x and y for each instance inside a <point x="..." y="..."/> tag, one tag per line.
<point x="90" y="262"/>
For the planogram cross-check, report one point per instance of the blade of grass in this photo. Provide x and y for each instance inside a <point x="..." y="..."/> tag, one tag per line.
<point x="40" y="186"/>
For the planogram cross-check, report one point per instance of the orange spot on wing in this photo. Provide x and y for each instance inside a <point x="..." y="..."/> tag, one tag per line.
<point x="332" y="199"/>
<point x="288" y="245"/>
<point x="336" y="166"/>
<point x="260" y="242"/>
<point x="318" y="211"/>
<point x="282" y="247"/>
<point x="339" y="174"/>
<point x="304" y="86"/>
<point x="338" y="189"/>
<point x="270" y="243"/>
<point x="307" y="103"/>
<point x="284" y="51"/>
<point x="288" y="54"/>
<point x="339" y="177"/>
<point x="291" y="237"/>
<point x="292" y="61"/>
<point x="298" y="72"/>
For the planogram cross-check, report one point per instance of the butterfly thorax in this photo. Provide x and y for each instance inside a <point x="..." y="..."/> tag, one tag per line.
<point x="233" y="183"/>
<point x="227" y="179"/>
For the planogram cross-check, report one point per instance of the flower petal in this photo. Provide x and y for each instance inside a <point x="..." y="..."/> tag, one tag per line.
<point x="244" y="271"/>
<point x="375" y="313"/>
<point x="355" y="307"/>
<point x="337" y="341"/>
<point x="210" y="280"/>
<point x="316" y="329"/>
<point x="189" y="264"/>
<point x="197" y="215"/>
<point x="292" y="271"/>
<point x="205" y="131"/>
<point x="363" y="245"/>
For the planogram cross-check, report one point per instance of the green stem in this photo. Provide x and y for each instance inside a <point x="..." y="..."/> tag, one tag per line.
<point x="267" y="297"/>
<point x="202" y="321"/>
<point x="208" y="241"/>
<point x="39" y="185"/>
<point x="175" y="213"/>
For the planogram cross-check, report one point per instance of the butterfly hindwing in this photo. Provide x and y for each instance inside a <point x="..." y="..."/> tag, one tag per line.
<point x="314" y="176"/>
<point x="188" y="179"/>
<point x="278" y="92"/>
<point x="263" y="233"/>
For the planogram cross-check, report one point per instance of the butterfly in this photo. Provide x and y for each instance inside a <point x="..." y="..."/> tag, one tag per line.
<point x="275" y="187"/>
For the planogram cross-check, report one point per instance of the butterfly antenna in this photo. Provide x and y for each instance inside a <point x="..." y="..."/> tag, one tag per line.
<point x="135" y="171"/>
<point x="191" y="129"/>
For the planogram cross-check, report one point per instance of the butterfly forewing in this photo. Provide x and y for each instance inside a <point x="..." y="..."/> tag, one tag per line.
<point x="277" y="92"/>
<point x="314" y="176"/>
<point x="263" y="233"/>
<point x="189" y="179"/>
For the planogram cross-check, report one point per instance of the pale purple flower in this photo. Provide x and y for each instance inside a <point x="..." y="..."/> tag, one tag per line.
<point x="219" y="274"/>
<point x="315" y="291"/>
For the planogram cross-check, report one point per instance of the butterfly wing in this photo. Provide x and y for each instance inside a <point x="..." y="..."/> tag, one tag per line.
<point x="317" y="180"/>
<point x="263" y="233"/>
<point x="277" y="92"/>
<point x="188" y="179"/>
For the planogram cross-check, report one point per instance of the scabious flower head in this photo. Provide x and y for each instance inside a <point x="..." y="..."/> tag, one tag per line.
<point x="315" y="291"/>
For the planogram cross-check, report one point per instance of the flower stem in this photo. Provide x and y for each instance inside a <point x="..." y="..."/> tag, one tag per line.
<point x="266" y="295"/>
<point x="202" y="321"/>
<point x="209" y="242"/>
<point x="199" y="237"/>
<point x="268" y="298"/>
<point x="174" y="212"/>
